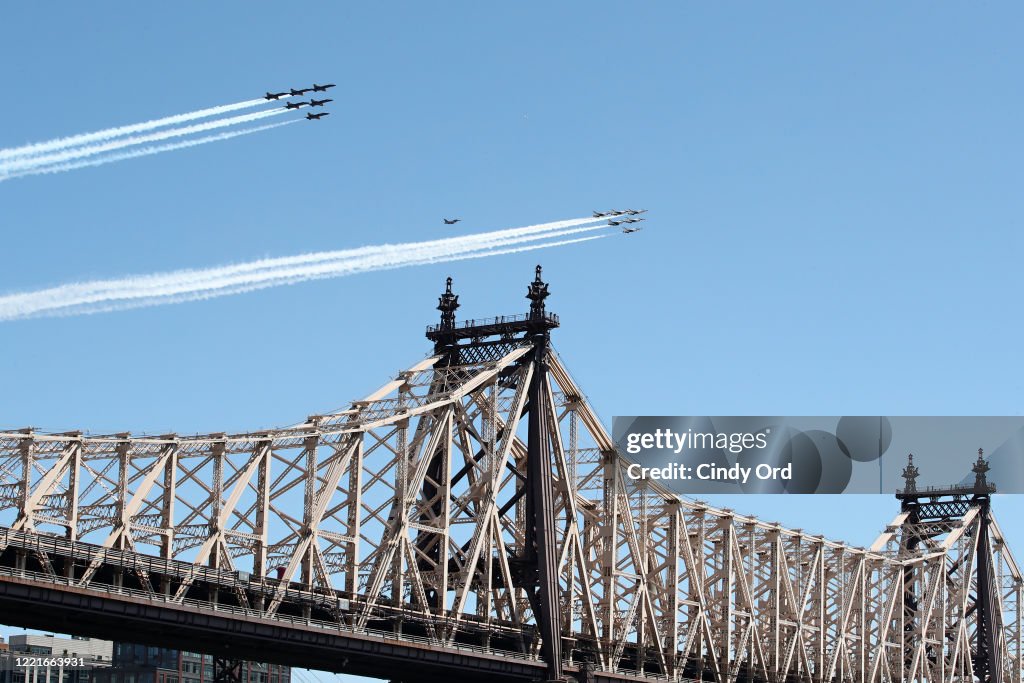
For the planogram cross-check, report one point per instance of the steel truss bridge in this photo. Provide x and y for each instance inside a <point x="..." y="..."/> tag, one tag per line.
<point x="472" y="520"/>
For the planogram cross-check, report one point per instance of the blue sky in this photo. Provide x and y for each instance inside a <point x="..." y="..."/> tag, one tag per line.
<point x="834" y="195"/>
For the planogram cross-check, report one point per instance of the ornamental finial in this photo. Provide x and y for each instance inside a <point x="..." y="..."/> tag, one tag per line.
<point x="447" y="303"/>
<point x="537" y="292"/>
<point x="910" y="474"/>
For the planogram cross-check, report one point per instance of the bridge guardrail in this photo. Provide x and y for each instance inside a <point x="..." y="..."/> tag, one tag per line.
<point x="129" y="559"/>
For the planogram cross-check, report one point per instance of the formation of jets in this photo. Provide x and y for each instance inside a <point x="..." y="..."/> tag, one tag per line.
<point x="298" y="92"/>
<point x="613" y="218"/>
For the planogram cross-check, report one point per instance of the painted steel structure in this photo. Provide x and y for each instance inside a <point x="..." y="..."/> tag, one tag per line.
<point x="475" y="505"/>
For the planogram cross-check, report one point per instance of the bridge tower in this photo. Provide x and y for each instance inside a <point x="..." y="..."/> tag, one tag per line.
<point x="535" y="565"/>
<point x="967" y="635"/>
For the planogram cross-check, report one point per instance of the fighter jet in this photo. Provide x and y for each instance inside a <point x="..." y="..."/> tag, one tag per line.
<point x="318" y="103"/>
<point x="601" y="214"/>
<point x="295" y="105"/>
<point x="300" y="92"/>
<point x="633" y="220"/>
<point x="626" y="231"/>
<point x="322" y="88"/>
<point x="317" y="117"/>
<point x="274" y="95"/>
<point x="451" y="221"/>
<point x="611" y="222"/>
<point x="633" y="212"/>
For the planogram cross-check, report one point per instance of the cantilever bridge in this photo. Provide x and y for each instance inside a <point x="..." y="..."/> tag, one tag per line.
<point x="472" y="520"/>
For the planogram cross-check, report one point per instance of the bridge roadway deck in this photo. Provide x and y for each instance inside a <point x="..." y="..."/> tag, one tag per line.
<point x="34" y="599"/>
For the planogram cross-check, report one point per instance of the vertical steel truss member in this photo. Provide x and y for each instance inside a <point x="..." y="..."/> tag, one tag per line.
<point x="477" y="499"/>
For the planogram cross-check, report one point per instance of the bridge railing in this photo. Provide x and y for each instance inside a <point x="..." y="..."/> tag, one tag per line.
<point x="206" y="606"/>
<point x="335" y="626"/>
<point x="497" y="320"/>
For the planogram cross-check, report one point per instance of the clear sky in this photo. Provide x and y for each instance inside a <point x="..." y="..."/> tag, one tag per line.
<point x="834" y="193"/>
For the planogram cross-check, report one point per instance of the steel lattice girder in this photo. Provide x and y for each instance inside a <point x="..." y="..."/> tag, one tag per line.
<point x="413" y="499"/>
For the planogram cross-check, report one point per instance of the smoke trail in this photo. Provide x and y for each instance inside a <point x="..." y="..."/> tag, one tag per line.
<point x="7" y="168"/>
<point x="145" y="151"/>
<point x="77" y="293"/>
<point x="339" y="271"/>
<point x="210" y="280"/>
<point x="120" y="131"/>
<point x="189" y="285"/>
<point x="314" y="271"/>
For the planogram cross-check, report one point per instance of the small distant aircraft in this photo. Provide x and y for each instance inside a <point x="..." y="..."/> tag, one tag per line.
<point x="298" y="93"/>
<point x="626" y="231"/>
<point x="611" y="222"/>
<point x="322" y="88"/>
<point x="274" y="95"/>
<point x="451" y="221"/>
<point x="633" y="212"/>
<point x="318" y="103"/>
<point x="295" y="105"/>
<point x="602" y="214"/>
<point x="633" y="220"/>
<point x="317" y="117"/>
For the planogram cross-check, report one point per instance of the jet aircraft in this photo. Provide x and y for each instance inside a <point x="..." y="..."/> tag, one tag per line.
<point x="626" y="231"/>
<point x="318" y="103"/>
<point x="300" y="92"/>
<point x="634" y="212"/>
<point x="322" y="88"/>
<point x="317" y="117"/>
<point x="611" y="222"/>
<point x="633" y="220"/>
<point x="274" y="95"/>
<point x="451" y="221"/>
<point x="295" y="105"/>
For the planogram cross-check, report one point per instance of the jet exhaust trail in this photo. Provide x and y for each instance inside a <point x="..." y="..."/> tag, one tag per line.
<point x="10" y="167"/>
<point x="211" y="278"/>
<point x="121" y="131"/>
<point x="338" y="272"/>
<point x="192" y="285"/>
<point x="145" y="151"/>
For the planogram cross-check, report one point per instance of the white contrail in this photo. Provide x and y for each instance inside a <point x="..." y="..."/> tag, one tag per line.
<point x="145" y="151"/>
<point x="314" y="271"/>
<point x="189" y="282"/>
<point x="120" y="131"/>
<point x="339" y="270"/>
<point x="10" y="167"/>
<point x="188" y="285"/>
<point x="148" y="285"/>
